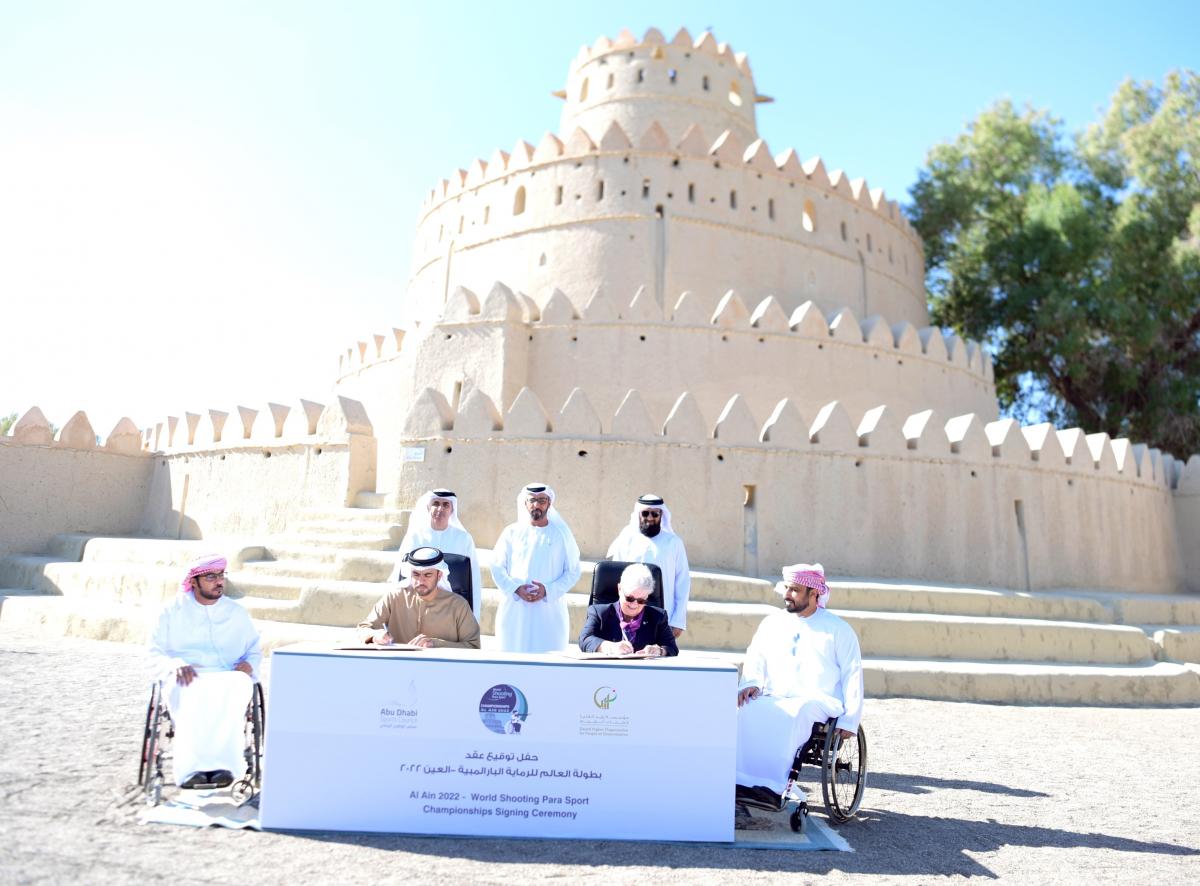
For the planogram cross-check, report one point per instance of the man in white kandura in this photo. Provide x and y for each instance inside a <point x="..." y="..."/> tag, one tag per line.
<point x="434" y="523"/>
<point x="803" y="666"/>
<point x="534" y="564"/>
<point x="649" y="539"/>
<point x="206" y="652"/>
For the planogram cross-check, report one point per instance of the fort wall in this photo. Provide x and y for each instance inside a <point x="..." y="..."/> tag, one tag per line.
<point x="881" y="494"/>
<point x="252" y="471"/>
<point x="68" y="482"/>
<point x="245" y="471"/>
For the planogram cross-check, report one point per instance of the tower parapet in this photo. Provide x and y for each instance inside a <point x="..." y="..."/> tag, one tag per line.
<point x="613" y="342"/>
<point x="706" y="213"/>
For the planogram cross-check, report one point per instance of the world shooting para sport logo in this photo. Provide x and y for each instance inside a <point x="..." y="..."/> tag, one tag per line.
<point x="604" y="697"/>
<point x="503" y="709"/>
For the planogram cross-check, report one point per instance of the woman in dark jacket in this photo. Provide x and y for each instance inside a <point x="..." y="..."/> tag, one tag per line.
<point x="629" y="625"/>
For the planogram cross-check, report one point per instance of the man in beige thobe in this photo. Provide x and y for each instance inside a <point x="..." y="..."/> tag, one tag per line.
<point x="422" y="610"/>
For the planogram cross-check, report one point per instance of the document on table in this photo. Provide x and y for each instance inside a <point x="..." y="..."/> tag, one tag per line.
<point x="588" y="656"/>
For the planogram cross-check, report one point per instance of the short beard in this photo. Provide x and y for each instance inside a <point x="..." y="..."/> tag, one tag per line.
<point x="650" y="529"/>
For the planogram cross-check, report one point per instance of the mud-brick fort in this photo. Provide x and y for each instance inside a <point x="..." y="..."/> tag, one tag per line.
<point x="652" y="299"/>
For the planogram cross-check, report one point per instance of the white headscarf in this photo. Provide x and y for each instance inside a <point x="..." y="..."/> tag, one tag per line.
<point x="419" y="518"/>
<point x="407" y="567"/>
<point x="553" y="516"/>
<point x="633" y="530"/>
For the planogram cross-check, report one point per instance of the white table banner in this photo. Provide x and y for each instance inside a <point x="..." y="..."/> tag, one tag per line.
<point x="466" y="742"/>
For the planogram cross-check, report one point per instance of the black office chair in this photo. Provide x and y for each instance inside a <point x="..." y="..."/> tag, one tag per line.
<point x="460" y="577"/>
<point x="608" y="575"/>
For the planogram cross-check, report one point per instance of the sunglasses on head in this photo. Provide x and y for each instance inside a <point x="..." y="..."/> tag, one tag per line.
<point x="640" y="601"/>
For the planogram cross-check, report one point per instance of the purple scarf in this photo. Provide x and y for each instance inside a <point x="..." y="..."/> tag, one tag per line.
<point x="629" y="628"/>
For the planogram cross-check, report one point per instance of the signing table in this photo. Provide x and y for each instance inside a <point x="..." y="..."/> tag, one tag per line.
<point x="450" y="741"/>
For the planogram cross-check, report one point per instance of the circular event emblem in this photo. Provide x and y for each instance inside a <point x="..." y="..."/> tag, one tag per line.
<point x="604" y="697"/>
<point x="503" y="709"/>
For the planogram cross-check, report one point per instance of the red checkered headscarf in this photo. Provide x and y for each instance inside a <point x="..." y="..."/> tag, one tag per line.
<point x="199" y="566"/>
<point x="808" y="575"/>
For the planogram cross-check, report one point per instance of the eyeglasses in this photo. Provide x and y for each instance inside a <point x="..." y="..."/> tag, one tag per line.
<point x="652" y="514"/>
<point x="640" y="601"/>
<point x="211" y="576"/>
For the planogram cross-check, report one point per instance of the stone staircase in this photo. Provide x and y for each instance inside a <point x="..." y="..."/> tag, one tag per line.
<point x="924" y="640"/>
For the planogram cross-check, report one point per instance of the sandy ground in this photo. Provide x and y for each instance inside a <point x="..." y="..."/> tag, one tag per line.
<point x="1028" y="794"/>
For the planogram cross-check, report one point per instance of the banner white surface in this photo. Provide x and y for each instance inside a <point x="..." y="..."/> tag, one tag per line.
<point x="495" y="744"/>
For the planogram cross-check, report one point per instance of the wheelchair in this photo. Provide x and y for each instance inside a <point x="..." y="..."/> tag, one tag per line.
<point x="843" y="765"/>
<point x="607" y="576"/>
<point x="160" y="730"/>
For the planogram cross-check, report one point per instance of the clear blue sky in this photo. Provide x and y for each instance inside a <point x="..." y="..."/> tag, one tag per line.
<point x="202" y="204"/>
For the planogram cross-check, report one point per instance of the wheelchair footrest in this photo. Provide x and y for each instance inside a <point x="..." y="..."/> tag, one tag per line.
<point x="759" y="798"/>
<point x="211" y="780"/>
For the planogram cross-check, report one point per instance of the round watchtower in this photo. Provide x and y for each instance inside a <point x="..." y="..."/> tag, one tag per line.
<point x="660" y="182"/>
<point x="678" y="83"/>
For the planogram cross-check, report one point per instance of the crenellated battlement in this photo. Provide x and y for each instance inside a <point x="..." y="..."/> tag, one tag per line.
<point x="878" y="433"/>
<point x="625" y="41"/>
<point x="751" y="157"/>
<point x="807" y="354"/>
<point x="730" y="316"/>
<point x="34" y="429"/>
<point x="275" y="425"/>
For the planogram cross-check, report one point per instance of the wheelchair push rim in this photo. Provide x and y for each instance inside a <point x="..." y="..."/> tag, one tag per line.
<point x="843" y="774"/>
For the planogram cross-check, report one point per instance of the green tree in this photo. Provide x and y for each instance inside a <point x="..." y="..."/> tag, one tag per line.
<point x="1077" y="260"/>
<point x="6" y="422"/>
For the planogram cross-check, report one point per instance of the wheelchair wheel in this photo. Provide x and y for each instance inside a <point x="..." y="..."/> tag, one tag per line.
<point x="150" y="775"/>
<point x="256" y="723"/>
<point x="843" y="774"/>
<point x="248" y="785"/>
<point x="147" y="747"/>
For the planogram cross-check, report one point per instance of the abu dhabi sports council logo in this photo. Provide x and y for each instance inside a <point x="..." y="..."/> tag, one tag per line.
<point x="503" y="709"/>
<point x="400" y="710"/>
<point x="604" y="697"/>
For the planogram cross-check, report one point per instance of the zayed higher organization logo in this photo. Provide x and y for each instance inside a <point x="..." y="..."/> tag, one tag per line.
<point x="503" y="709"/>
<point x="604" y="697"/>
